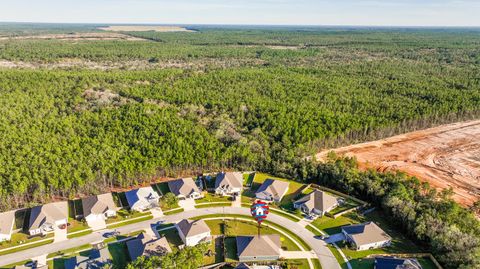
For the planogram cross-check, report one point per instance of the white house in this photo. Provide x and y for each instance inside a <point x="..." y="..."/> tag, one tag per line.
<point x="316" y="203"/>
<point x="142" y="199"/>
<point x="46" y="218"/>
<point x="184" y="188"/>
<point x="96" y="209"/>
<point x="193" y="232"/>
<point x="366" y="236"/>
<point x="7" y="220"/>
<point x="229" y="183"/>
<point x="272" y="190"/>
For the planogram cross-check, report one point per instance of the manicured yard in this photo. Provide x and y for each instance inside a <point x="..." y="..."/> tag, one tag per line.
<point x="338" y="256"/>
<point x="79" y="234"/>
<point x="124" y="214"/>
<point x="129" y="221"/>
<point x="19" y="239"/>
<point x="216" y="252"/>
<point x="75" y="225"/>
<point x="333" y="226"/>
<point x="232" y="228"/>
<point x="210" y="197"/>
<point x="217" y="204"/>
<point x="298" y="263"/>
<point x="174" y="211"/>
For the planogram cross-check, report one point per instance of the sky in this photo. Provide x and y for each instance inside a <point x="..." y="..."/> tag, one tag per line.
<point x="247" y="12"/>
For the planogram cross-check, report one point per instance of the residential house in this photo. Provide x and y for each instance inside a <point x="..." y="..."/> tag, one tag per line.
<point x="7" y="220"/>
<point x="142" y="199"/>
<point x="145" y="245"/>
<point x="229" y="183"/>
<point x="272" y="190"/>
<point x="98" y="208"/>
<point x="316" y="203"/>
<point x="396" y="263"/>
<point x="193" y="232"/>
<point x="96" y="259"/>
<point x="258" y="248"/>
<point x="46" y="218"/>
<point x="366" y="236"/>
<point x="185" y="188"/>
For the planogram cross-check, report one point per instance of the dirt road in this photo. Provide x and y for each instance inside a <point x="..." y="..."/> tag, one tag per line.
<point x="445" y="156"/>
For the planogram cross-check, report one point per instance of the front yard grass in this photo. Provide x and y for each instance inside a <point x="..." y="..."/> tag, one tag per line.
<point x="298" y="263"/>
<point x="75" y="225"/>
<point x="124" y="214"/>
<point x="231" y="228"/>
<point x="217" y="204"/>
<point x="174" y="211"/>
<point x="19" y="239"/>
<point x="210" y="197"/>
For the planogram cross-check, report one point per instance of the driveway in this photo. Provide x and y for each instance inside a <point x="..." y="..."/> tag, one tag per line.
<point x="58" y="236"/>
<point x="97" y="225"/>
<point x="298" y="254"/>
<point x="325" y="256"/>
<point x="187" y="204"/>
<point x="335" y="238"/>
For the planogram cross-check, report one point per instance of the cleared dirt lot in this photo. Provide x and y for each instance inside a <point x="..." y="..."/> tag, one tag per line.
<point x="445" y="156"/>
<point x="77" y="36"/>
<point x="139" y="28"/>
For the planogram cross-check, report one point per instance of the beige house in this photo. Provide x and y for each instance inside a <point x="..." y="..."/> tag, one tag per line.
<point x="229" y="183"/>
<point x="185" y="188"/>
<point x="366" y="236"/>
<point x="258" y="248"/>
<point x="193" y="232"/>
<point x="316" y="203"/>
<point x="7" y="220"/>
<point x="272" y="190"/>
<point x="96" y="209"/>
<point x="145" y="245"/>
<point x="46" y="218"/>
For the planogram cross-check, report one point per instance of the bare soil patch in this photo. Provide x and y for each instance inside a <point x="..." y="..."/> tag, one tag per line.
<point x="77" y="36"/>
<point x="445" y="156"/>
<point x="144" y="28"/>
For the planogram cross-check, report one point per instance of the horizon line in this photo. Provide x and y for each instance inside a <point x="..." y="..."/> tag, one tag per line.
<point x="239" y="24"/>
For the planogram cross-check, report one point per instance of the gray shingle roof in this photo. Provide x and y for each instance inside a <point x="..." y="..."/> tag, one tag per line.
<point x="318" y="200"/>
<point x="396" y="263"/>
<point x="7" y="219"/>
<point x="193" y="227"/>
<point x="264" y="245"/>
<point x="48" y="213"/>
<point x="183" y="186"/>
<point x="275" y="188"/>
<point x="98" y="204"/>
<point x="232" y="179"/>
<point x="145" y="245"/>
<point x="366" y="233"/>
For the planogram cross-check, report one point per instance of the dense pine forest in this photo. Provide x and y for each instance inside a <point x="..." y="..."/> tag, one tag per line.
<point x="239" y="98"/>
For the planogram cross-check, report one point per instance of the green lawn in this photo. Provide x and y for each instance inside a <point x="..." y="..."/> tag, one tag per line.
<point x="124" y="214"/>
<point x="285" y="215"/>
<point x="130" y="221"/>
<point x="316" y="264"/>
<point x="210" y="197"/>
<point x="297" y="264"/>
<point x="75" y="225"/>
<point x="230" y="249"/>
<point x="232" y="228"/>
<point x="19" y="239"/>
<point x="79" y="234"/>
<point x="338" y="256"/>
<point x="174" y="211"/>
<point x="216" y="250"/>
<point x="248" y="179"/>
<point x="214" y="205"/>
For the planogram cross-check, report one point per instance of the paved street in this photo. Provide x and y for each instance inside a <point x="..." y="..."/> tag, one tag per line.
<point x="326" y="257"/>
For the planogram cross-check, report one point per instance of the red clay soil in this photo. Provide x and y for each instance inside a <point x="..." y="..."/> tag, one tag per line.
<point x="445" y="156"/>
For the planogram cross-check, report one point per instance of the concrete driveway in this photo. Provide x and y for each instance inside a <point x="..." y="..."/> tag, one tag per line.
<point x="97" y="225"/>
<point x="324" y="254"/>
<point x="187" y="204"/>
